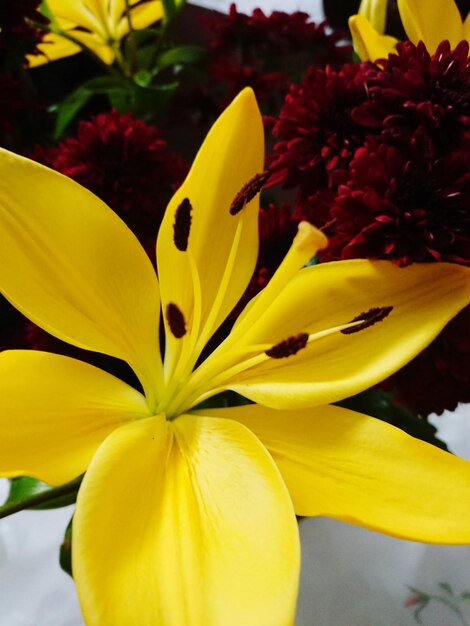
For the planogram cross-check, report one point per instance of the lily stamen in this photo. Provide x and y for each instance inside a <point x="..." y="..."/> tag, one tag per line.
<point x="182" y="225"/>
<point x="249" y="191"/>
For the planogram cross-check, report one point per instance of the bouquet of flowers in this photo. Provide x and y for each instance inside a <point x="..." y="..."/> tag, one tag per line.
<point x="195" y="354"/>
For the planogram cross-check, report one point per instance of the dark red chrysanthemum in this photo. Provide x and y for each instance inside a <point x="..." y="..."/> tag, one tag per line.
<point x="415" y="93"/>
<point x="287" y="35"/>
<point x="389" y="173"/>
<point x="14" y="14"/>
<point x="316" y="130"/>
<point x="268" y="52"/>
<point x="12" y="105"/>
<point x="22" y="117"/>
<point x="16" y="25"/>
<point x="439" y="377"/>
<point x="126" y="163"/>
<point x="235" y="77"/>
<point x="399" y="205"/>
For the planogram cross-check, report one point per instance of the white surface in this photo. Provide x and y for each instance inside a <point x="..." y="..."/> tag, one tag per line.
<point x="350" y="576"/>
<point x="313" y="7"/>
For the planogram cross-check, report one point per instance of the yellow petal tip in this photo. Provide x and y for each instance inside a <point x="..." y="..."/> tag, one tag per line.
<point x="369" y="44"/>
<point x="309" y="238"/>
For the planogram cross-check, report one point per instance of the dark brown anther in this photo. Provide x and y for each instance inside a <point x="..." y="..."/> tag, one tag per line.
<point x="182" y="225"/>
<point x="369" y="318"/>
<point x="288" y="347"/>
<point x="248" y="192"/>
<point x="176" y="321"/>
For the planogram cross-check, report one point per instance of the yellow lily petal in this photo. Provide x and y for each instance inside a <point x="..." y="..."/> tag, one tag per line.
<point x="78" y="13"/>
<point x="431" y="23"/>
<point x="97" y="7"/>
<point x="117" y="8"/>
<point x="146" y="14"/>
<point x="72" y="266"/>
<point x="54" y="413"/>
<point x="94" y="43"/>
<point x="195" y="528"/>
<point x="335" y="365"/>
<point x="368" y="43"/>
<point x="306" y="244"/>
<point x="205" y="268"/>
<point x="55" y="46"/>
<point x="466" y="28"/>
<point x="358" y="469"/>
<point x="52" y="47"/>
<point x="97" y="24"/>
<point x="375" y="11"/>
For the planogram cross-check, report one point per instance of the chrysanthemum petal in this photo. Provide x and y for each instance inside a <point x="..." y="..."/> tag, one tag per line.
<point x="185" y="524"/>
<point x="54" y="413"/>
<point x="422" y="297"/>
<point x="369" y="44"/>
<point x="431" y="24"/>
<point x="206" y="265"/>
<point x="73" y="267"/>
<point x="358" y="469"/>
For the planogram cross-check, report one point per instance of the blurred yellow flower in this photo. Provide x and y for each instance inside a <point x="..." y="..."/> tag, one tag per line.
<point x="422" y="21"/>
<point x="98" y="25"/>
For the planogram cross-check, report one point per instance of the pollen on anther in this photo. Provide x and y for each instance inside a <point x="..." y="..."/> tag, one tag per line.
<point x="248" y="192"/>
<point x="182" y="225"/>
<point x="367" y="319"/>
<point x="176" y="321"/>
<point x="288" y="347"/>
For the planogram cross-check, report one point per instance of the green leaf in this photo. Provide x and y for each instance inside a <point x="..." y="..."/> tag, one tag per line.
<point x="147" y="100"/>
<point x="143" y="78"/>
<point x="170" y="9"/>
<point x="72" y="105"/>
<point x="65" y="551"/>
<point x="181" y="55"/>
<point x="24" y="487"/>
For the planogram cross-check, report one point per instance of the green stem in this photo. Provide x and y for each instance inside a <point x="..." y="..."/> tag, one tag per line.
<point x="121" y="61"/>
<point x="41" y="498"/>
<point x="132" y="45"/>
<point x="159" y="44"/>
<point x="165" y="26"/>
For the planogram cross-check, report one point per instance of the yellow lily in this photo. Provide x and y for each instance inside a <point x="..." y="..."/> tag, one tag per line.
<point x="186" y="515"/>
<point x="421" y="20"/>
<point x="98" y="25"/>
